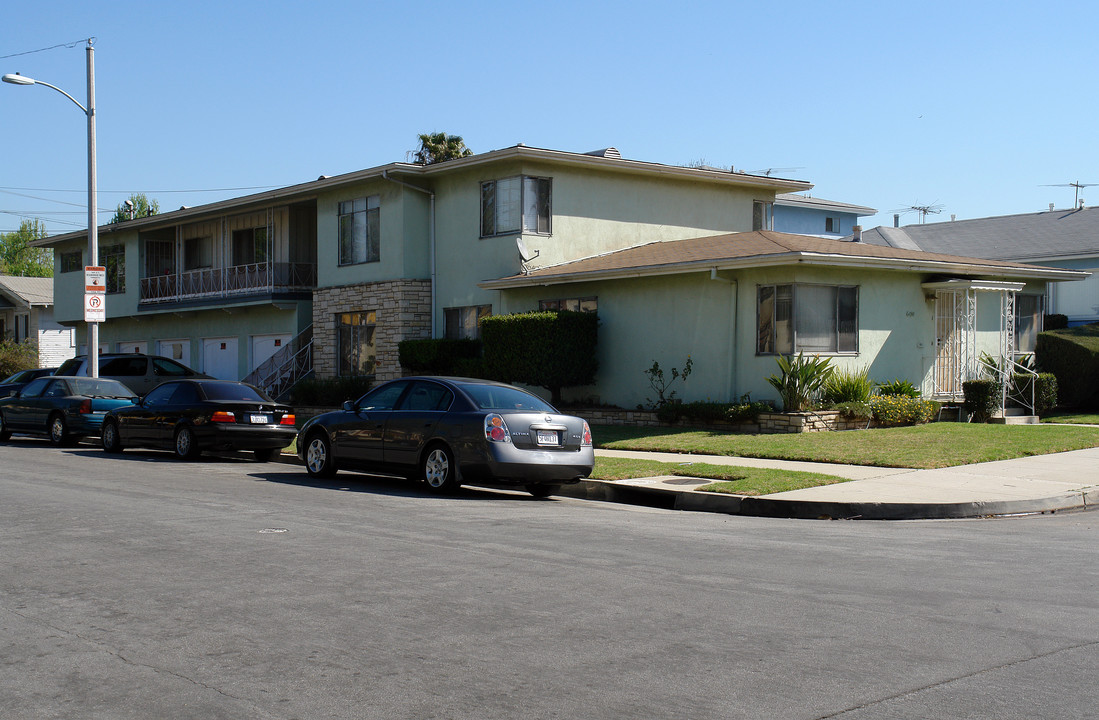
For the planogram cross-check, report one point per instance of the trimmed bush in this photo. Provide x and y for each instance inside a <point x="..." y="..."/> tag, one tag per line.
<point x="982" y="397"/>
<point x="553" y="349"/>
<point x="1072" y="355"/>
<point x="855" y="409"/>
<point x="894" y="410"/>
<point x="312" y="392"/>
<point x="711" y="412"/>
<point x="437" y="356"/>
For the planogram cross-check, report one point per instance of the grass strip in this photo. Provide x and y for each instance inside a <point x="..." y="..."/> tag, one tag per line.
<point x="735" y="480"/>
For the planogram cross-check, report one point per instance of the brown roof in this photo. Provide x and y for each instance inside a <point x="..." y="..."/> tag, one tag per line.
<point x="760" y="248"/>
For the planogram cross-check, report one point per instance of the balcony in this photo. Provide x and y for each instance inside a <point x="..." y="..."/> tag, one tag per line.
<point x="253" y="279"/>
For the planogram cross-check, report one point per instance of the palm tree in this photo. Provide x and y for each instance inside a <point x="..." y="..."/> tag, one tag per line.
<point x="440" y="147"/>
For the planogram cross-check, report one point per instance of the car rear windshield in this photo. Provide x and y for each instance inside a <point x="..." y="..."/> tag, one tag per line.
<point x="495" y="397"/>
<point x="69" y="367"/>
<point x="232" y="391"/>
<point x="100" y="387"/>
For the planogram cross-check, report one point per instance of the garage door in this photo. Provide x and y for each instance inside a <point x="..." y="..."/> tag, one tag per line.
<point x="219" y="358"/>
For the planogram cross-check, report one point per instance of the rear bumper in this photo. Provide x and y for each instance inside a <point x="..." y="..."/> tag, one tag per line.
<point x="224" y="436"/>
<point x="506" y="464"/>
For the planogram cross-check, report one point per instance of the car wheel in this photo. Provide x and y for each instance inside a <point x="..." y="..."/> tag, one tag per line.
<point x="5" y="434"/>
<point x="186" y="447"/>
<point x="319" y="461"/>
<point x="112" y="443"/>
<point x="265" y="454"/>
<point x="541" y="490"/>
<point x="440" y="472"/>
<point x="59" y="431"/>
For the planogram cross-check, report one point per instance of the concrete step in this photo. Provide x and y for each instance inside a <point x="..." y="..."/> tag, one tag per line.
<point x="1010" y="419"/>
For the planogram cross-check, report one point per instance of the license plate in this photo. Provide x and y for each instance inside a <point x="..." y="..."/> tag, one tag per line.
<point x="258" y="419"/>
<point x="548" y="437"/>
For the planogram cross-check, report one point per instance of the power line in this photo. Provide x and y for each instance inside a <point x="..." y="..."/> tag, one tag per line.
<point x="72" y="44"/>
<point x="159" y="192"/>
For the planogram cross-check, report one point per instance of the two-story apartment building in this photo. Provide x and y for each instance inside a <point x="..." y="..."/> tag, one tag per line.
<point x="341" y="269"/>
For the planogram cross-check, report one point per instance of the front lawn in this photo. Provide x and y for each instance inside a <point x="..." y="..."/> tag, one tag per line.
<point x="736" y="480"/>
<point x="1081" y="418"/>
<point x="934" y="445"/>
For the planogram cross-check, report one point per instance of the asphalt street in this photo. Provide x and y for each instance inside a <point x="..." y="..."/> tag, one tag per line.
<point x="136" y="586"/>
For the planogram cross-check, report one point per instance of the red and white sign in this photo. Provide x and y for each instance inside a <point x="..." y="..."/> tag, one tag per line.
<point x="95" y="279"/>
<point x="95" y="307"/>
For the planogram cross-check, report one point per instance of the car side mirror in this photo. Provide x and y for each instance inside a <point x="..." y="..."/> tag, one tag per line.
<point x="135" y="400"/>
<point x="349" y="406"/>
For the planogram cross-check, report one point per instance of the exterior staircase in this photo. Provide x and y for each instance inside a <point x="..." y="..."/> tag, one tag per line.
<point x="278" y="373"/>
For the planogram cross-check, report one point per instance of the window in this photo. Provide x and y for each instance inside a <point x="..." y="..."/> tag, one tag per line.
<point x="763" y="215"/>
<point x="249" y="246"/>
<point x="384" y="398"/>
<point x="159" y="258"/>
<point x="515" y="204"/>
<point x="113" y="257"/>
<point x="464" y="322"/>
<point x="199" y="252"/>
<point x="360" y="230"/>
<point x="1028" y="322"/>
<point x="159" y="395"/>
<point x="72" y="261"/>
<point x="588" y="304"/>
<point x="355" y="331"/>
<point x="807" y="318"/>
<point x="832" y="224"/>
<point x="426" y="396"/>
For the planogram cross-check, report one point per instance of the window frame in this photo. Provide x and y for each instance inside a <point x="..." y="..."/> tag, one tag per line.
<point x="456" y="325"/>
<point x="838" y="320"/>
<point x="574" y="304"/>
<point x="350" y="333"/>
<point x="113" y="258"/>
<point x="763" y="215"/>
<point x="1038" y="316"/>
<point x="371" y="223"/>
<point x="542" y="206"/>
<point x="66" y="261"/>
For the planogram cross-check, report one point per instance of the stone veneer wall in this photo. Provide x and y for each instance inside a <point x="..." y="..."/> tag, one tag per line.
<point x="819" y="421"/>
<point x="403" y="312"/>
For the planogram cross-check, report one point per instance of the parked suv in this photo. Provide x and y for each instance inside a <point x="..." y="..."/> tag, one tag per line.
<point x="140" y="373"/>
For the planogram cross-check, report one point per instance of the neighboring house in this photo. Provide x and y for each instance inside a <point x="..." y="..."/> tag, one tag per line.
<point x="26" y="312"/>
<point x="806" y="215"/>
<point x="332" y="274"/>
<point x="1057" y="238"/>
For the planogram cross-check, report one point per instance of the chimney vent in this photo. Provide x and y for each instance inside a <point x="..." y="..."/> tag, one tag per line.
<point x="857" y="230"/>
<point x="1051" y="207"/>
<point x="896" y="219"/>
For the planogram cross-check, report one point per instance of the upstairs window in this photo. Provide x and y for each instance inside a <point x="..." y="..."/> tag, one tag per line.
<point x="807" y="318"/>
<point x="199" y="252"/>
<point x="72" y="261"/>
<point x="249" y="246"/>
<point x="515" y="204"/>
<point x="832" y="224"/>
<point x="360" y="232"/>
<point x="113" y="257"/>
<point x="763" y="215"/>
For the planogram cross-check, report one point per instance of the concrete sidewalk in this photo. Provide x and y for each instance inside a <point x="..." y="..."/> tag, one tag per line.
<point x="1044" y="483"/>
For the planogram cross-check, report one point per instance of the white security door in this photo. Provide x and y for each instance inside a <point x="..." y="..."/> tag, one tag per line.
<point x="264" y="346"/>
<point x="219" y="358"/>
<point x="141" y="347"/>
<point x="179" y="350"/>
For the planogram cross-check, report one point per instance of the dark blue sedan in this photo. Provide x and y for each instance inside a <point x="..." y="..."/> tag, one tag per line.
<point x="62" y="408"/>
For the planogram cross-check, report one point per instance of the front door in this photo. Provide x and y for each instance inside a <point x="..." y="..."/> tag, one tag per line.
<point x="949" y="356"/>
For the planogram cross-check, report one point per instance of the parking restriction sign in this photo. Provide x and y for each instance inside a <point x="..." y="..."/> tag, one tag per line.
<point x="95" y="307"/>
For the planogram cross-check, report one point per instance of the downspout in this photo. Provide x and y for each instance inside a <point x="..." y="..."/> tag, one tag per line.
<point x="431" y="238"/>
<point x="730" y="378"/>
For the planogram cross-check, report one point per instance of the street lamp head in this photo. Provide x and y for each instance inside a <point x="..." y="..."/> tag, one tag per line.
<point x="17" y="79"/>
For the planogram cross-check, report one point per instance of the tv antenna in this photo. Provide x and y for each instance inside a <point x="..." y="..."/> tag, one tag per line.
<point x="768" y="172"/>
<point x="1077" y="185"/>
<point x="924" y="210"/>
<point x="525" y="256"/>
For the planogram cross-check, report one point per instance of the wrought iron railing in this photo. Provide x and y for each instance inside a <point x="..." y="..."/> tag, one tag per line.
<point x="291" y="363"/>
<point x="226" y="281"/>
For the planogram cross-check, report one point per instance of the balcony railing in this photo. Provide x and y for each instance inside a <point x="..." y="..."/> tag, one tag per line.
<point x="228" y="281"/>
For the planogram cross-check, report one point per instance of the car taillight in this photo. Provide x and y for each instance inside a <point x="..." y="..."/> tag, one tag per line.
<point x="223" y="416"/>
<point x="85" y="407"/>
<point x="586" y="440"/>
<point x="496" y="430"/>
<point x="287" y="419"/>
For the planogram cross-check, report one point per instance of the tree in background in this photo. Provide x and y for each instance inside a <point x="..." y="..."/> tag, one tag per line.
<point x="142" y="207"/>
<point x="440" y="147"/>
<point x="17" y="257"/>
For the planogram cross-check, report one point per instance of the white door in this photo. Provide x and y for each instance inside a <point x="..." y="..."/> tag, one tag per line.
<point x="264" y="346"/>
<point x="219" y="358"/>
<point x="179" y="350"/>
<point x="141" y="347"/>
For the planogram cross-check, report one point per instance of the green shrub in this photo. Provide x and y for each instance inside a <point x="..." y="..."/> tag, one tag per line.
<point x="553" y="349"/>
<point x="893" y="410"/>
<point x="1045" y="392"/>
<point x="848" y="386"/>
<point x="801" y="380"/>
<point x="982" y="397"/>
<point x="437" y="356"/>
<point x="312" y="392"/>
<point x="1055" y="322"/>
<point x="855" y="409"/>
<point x="1072" y="355"/>
<point x="16" y="356"/>
<point x="898" y="387"/>
<point x="712" y="412"/>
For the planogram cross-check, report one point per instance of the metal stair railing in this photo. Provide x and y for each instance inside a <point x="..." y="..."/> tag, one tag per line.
<point x="278" y="373"/>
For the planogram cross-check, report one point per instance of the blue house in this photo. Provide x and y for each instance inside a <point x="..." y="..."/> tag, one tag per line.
<point x="804" y="215"/>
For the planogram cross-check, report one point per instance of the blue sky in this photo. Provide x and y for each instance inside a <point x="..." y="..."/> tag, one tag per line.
<point x="972" y="106"/>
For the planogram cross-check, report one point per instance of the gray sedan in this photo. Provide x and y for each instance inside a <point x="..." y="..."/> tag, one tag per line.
<point x="449" y="431"/>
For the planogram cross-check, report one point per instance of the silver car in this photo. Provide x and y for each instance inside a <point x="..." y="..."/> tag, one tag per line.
<point x="449" y="431"/>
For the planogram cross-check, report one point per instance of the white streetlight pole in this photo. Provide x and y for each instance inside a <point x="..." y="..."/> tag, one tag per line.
<point x="93" y="223"/>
